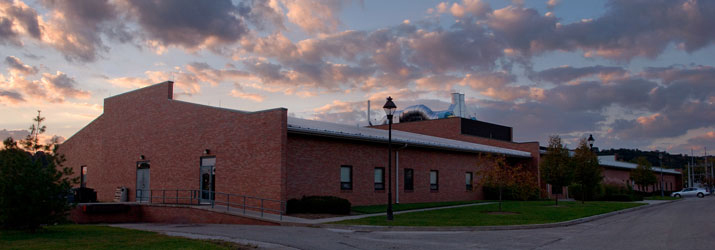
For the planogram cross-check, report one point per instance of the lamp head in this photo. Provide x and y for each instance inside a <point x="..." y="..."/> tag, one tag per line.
<point x="389" y="107"/>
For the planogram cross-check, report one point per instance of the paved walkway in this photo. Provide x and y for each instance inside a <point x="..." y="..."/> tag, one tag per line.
<point x="685" y="224"/>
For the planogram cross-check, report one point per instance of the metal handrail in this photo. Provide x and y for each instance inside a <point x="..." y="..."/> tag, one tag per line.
<point x="171" y="196"/>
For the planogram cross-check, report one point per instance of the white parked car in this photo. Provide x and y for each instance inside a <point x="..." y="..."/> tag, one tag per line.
<point x="699" y="192"/>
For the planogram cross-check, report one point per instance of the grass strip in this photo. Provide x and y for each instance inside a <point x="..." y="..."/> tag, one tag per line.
<point x="516" y="213"/>
<point x="103" y="237"/>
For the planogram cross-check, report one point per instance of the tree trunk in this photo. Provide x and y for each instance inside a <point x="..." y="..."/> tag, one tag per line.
<point x="500" y="197"/>
<point x="557" y="199"/>
<point x="583" y="194"/>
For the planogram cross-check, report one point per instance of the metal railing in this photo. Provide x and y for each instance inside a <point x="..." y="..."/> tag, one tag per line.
<point x="199" y="197"/>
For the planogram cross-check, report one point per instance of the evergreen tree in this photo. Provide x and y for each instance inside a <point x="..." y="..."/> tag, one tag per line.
<point x="33" y="187"/>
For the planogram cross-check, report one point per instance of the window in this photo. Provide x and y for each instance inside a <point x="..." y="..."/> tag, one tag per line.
<point x="83" y="177"/>
<point x="379" y="178"/>
<point x="346" y="177"/>
<point x="468" y="179"/>
<point x="433" y="180"/>
<point x="409" y="179"/>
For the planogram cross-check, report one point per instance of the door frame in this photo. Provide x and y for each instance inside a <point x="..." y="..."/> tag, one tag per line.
<point x="212" y="180"/>
<point x="143" y="196"/>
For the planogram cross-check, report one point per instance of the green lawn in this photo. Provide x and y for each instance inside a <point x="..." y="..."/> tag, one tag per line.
<point x="102" y="237"/>
<point x="527" y="212"/>
<point x="407" y="206"/>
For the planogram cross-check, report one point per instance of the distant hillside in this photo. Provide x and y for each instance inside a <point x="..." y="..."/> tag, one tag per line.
<point x="669" y="160"/>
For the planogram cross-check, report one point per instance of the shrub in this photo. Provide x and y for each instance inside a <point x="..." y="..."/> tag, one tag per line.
<point x="511" y="193"/>
<point x="608" y="192"/>
<point x="319" y="205"/>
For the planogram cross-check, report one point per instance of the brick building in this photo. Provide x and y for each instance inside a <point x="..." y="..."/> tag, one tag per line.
<point x="145" y="140"/>
<point x="618" y="173"/>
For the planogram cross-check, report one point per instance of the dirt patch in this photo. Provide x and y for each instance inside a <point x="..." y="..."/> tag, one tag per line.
<point x="504" y="213"/>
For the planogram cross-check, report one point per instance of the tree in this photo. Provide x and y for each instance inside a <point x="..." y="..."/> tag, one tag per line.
<point x="556" y="167"/>
<point x="517" y="180"/>
<point x="32" y="141"/>
<point x="495" y="173"/>
<point x="587" y="171"/>
<point x="33" y="187"/>
<point x="643" y="174"/>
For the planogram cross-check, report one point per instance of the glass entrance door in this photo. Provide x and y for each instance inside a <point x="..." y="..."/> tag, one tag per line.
<point x="143" y="188"/>
<point x="207" y="179"/>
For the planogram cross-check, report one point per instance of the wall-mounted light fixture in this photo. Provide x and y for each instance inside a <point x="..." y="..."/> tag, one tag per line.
<point x="207" y="151"/>
<point x="142" y="157"/>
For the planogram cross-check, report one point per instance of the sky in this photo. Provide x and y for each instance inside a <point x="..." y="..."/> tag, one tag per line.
<point x="634" y="73"/>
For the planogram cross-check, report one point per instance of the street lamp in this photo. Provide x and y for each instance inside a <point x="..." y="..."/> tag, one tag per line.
<point x="660" y="157"/>
<point x="590" y="141"/>
<point x="389" y="111"/>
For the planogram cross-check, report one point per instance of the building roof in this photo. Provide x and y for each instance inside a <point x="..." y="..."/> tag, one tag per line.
<point x="303" y="126"/>
<point x="610" y="161"/>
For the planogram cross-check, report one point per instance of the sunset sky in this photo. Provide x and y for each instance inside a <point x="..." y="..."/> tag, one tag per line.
<point x="634" y="73"/>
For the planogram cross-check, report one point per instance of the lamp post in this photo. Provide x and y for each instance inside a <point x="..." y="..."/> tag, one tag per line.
<point x="389" y="111"/>
<point x="660" y="157"/>
<point x="590" y="141"/>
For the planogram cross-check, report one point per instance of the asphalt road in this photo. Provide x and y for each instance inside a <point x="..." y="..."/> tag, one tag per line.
<point x="687" y="224"/>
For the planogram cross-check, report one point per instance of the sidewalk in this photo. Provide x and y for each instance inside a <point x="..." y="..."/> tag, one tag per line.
<point x="290" y="220"/>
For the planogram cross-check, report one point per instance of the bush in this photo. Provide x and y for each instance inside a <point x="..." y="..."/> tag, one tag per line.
<point x="607" y="192"/>
<point x="318" y="205"/>
<point x="510" y="193"/>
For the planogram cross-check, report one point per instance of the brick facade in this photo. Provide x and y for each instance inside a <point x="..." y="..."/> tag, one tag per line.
<point x="451" y="128"/>
<point x="314" y="169"/>
<point x="617" y="176"/>
<point x="256" y="155"/>
<point x="172" y="135"/>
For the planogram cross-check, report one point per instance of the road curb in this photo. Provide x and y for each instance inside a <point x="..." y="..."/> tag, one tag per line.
<point x="359" y="228"/>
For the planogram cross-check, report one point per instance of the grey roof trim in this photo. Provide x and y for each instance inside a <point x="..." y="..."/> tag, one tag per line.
<point x="609" y="161"/>
<point x="317" y="128"/>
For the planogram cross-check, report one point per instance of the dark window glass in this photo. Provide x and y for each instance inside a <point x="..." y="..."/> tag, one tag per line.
<point x="433" y="180"/>
<point x="468" y="179"/>
<point x="409" y="179"/>
<point x="346" y="177"/>
<point x="379" y="178"/>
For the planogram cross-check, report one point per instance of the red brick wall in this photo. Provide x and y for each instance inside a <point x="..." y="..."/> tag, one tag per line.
<point x="314" y="169"/>
<point x="249" y="147"/>
<point x="622" y="176"/>
<point x="451" y="128"/>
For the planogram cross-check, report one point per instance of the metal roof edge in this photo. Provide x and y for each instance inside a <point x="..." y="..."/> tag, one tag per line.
<point x="332" y="134"/>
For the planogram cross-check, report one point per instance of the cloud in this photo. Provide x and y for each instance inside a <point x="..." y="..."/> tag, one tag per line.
<point x="187" y="79"/>
<point x="17" y="67"/>
<point x="17" y="135"/>
<point x="617" y="35"/>
<point x="314" y="16"/>
<point x="248" y="96"/>
<point x="16" y="19"/>
<point x="62" y="86"/>
<point x="567" y="73"/>
<point x="190" y="24"/>
<point x="11" y="97"/>
<point x="75" y="28"/>
<point x="53" y="88"/>
<point x="475" y="8"/>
